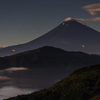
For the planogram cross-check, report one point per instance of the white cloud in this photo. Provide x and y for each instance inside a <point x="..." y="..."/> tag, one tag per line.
<point x="93" y="9"/>
<point x="89" y="20"/>
<point x="16" y="69"/>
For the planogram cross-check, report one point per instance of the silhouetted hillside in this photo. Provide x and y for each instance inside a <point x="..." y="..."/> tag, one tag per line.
<point x="52" y="57"/>
<point x="4" y="63"/>
<point x="83" y="84"/>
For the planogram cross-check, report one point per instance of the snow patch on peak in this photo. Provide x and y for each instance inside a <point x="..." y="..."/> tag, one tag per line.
<point x="82" y="21"/>
<point x="69" y="19"/>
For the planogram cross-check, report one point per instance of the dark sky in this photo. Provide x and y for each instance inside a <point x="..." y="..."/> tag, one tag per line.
<point x="24" y="20"/>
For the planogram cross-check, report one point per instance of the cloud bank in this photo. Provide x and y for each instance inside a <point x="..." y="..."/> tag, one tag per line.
<point x="93" y="9"/>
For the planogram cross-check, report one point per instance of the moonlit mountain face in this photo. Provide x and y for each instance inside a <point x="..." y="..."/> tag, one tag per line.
<point x="70" y="35"/>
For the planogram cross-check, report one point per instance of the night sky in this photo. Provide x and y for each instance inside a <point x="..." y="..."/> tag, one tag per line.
<point x="24" y="20"/>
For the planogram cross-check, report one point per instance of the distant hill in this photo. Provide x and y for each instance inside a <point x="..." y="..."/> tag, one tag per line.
<point x="70" y="35"/>
<point x="50" y="57"/>
<point x="82" y="84"/>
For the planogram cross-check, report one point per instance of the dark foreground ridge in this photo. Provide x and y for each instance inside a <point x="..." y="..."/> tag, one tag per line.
<point x="82" y="84"/>
<point x="49" y="57"/>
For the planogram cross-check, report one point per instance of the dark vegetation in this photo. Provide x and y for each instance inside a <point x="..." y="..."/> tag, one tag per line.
<point x="82" y="84"/>
<point x="49" y="57"/>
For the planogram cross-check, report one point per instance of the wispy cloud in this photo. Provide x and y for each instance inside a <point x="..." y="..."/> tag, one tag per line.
<point x="89" y="20"/>
<point x="84" y="20"/>
<point x="93" y="9"/>
<point x="16" y="69"/>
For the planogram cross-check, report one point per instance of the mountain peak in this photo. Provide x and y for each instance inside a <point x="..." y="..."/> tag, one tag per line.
<point x="71" y="35"/>
<point x="69" y="19"/>
<point x="74" y="19"/>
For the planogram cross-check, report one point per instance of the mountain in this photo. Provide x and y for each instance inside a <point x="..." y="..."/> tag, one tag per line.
<point x="70" y="35"/>
<point x="49" y="57"/>
<point x="83" y="84"/>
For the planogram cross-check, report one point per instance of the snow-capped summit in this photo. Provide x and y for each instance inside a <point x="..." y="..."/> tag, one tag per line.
<point x="69" y="19"/>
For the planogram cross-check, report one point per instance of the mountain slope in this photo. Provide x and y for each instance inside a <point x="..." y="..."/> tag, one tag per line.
<point x="69" y="35"/>
<point x="83" y="84"/>
<point x="51" y="57"/>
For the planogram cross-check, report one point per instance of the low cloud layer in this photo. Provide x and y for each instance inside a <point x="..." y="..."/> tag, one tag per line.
<point x="4" y="78"/>
<point x="16" y="69"/>
<point x="93" y="9"/>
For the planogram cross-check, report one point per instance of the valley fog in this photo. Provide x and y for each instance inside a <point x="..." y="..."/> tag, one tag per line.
<point x="27" y="81"/>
